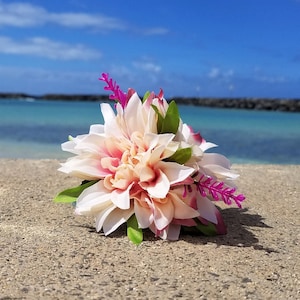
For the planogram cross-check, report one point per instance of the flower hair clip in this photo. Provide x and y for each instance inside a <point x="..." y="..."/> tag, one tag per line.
<point x="146" y="168"/>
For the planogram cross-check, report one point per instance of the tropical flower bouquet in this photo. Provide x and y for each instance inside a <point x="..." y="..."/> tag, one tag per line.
<point x="147" y="168"/>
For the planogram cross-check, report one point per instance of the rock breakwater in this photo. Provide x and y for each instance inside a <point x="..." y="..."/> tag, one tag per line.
<point x="290" y="105"/>
<point x="274" y="104"/>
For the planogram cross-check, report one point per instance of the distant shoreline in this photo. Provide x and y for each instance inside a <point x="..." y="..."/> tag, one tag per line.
<point x="274" y="104"/>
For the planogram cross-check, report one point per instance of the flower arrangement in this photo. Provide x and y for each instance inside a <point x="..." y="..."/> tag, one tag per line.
<point x="147" y="168"/>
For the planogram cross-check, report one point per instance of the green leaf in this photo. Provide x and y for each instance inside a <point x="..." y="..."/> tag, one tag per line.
<point x="209" y="229"/>
<point x="134" y="233"/>
<point x="171" y="121"/>
<point x="160" y="119"/>
<point x="71" y="195"/>
<point x="181" y="156"/>
<point x="146" y="96"/>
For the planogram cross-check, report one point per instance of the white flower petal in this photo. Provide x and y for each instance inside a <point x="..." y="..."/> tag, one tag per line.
<point x="93" y="199"/>
<point x="101" y="217"/>
<point x="97" y="128"/>
<point x="185" y="131"/>
<point x="121" y="198"/>
<point x="116" y="218"/>
<point x="206" y="209"/>
<point x="163" y="234"/>
<point x="134" y="115"/>
<point x="92" y="143"/>
<point x="163" y="214"/>
<point x="174" y="171"/>
<point x="151" y="125"/>
<point x="161" y="187"/>
<point x="107" y="112"/>
<point x="111" y="127"/>
<point x="173" y="232"/>
<point x="215" y="159"/>
<point x="197" y="152"/>
<point x="151" y="139"/>
<point x="156" y="154"/>
<point x="207" y="145"/>
<point x="70" y="145"/>
<point x="88" y="168"/>
<point x="144" y="215"/>
<point x="219" y="172"/>
<point x="182" y="210"/>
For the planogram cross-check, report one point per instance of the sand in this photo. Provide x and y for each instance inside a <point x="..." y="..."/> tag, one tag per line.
<point x="49" y="253"/>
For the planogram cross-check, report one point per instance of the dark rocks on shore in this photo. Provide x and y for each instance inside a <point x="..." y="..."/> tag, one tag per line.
<point x="289" y="105"/>
<point x="13" y="96"/>
<point x="54" y="97"/>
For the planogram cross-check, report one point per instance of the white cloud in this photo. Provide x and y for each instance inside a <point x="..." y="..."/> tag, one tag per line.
<point x="218" y="73"/>
<point x="155" y="31"/>
<point x="229" y="73"/>
<point x="262" y="76"/>
<point x="44" y="47"/>
<point x="271" y="79"/>
<point x="39" y="81"/>
<point x="22" y="14"/>
<point x="80" y="20"/>
<point x="231" y="87"/>
<point x="147" y="66"/>
<point x="27" y="15"/>
<point x="214" y="73"/>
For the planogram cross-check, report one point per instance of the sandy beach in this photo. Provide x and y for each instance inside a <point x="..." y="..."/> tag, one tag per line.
<point x="49" y="253"/>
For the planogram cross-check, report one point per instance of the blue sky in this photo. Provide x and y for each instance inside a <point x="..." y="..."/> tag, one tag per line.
<point x="216" y="48"/>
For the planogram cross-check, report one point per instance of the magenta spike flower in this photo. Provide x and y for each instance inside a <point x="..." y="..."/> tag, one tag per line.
<point x="209" y="186"/>
<point x="117" y="94"/>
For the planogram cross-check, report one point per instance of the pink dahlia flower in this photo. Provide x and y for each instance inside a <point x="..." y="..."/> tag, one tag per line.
<point x="145" y="162"/>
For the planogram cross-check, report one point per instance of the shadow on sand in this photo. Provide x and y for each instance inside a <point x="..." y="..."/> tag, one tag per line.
<point x="240" y="226"/>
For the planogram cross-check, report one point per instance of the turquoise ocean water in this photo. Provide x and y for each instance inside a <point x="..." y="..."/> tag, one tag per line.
<point x="35" y="129"/>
